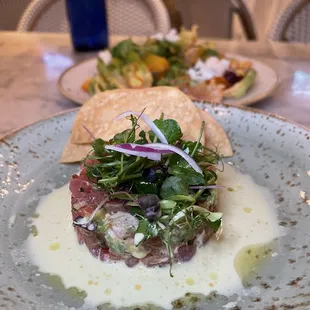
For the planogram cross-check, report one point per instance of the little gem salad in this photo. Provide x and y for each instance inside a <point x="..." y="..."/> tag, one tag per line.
<point x="176" y="59"/>
<point x="146" y="196"/>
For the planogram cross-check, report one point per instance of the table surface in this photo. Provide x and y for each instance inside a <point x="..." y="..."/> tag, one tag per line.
<point x="31" y="64"/>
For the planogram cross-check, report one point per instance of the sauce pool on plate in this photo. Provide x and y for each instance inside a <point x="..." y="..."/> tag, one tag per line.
<point x="249" y="226"/>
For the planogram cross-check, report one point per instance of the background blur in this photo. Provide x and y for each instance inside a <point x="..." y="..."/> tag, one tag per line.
<point x="216" y="18"/>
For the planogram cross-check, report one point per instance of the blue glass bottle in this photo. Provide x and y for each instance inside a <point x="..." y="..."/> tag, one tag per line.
<point x="88" y="23"/>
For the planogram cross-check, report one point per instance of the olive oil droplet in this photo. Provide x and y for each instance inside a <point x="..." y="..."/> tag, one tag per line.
<point x="190" y="281"/>
<point x="54" y="246"/>
<point x="249" y="258"/>
<point x="248" y="210"/>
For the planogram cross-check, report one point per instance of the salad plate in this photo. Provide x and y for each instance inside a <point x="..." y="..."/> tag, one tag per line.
<point x="69" y="83"/>
<point x="179" y="60"/>
<point x="272" y="151"/>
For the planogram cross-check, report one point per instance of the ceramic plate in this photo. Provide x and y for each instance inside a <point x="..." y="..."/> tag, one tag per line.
<point x="274" y="152"/>
<point x="69" y="83"/>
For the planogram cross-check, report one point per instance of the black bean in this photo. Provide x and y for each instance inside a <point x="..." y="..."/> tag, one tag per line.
<point x="149" y="175"/>
<point x="147" y="201"/>
<point x="231" y="77"/>
<point x="151" y="212"/>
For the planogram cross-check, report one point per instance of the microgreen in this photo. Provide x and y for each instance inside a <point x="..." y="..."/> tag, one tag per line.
<point x="180" y="211"/>
<point x="170" y="128"/>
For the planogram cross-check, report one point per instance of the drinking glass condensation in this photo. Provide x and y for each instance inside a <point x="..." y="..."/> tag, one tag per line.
<point x="88" y="23"/>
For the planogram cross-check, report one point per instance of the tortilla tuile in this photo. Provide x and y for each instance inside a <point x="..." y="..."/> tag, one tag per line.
<point x="73" y="153"/>
<point x="215" y="136"/>
<point x="99" y="112"/>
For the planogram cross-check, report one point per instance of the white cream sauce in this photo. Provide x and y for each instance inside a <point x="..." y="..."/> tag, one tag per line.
<point x="248" y="218"/>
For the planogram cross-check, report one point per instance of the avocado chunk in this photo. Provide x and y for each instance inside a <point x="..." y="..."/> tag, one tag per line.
<point x="240" y="89"/>
<point x="113" y="78"/>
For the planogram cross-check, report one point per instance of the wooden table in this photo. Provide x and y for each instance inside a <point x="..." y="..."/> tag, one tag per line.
<point x="30" y="65"/>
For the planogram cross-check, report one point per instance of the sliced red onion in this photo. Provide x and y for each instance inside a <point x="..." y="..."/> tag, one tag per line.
<point x="137" y="150"/>
<point x="174" y="149"/>
<point x="89" y="132"/>
<point x="142" y="148"/>
<point x="150" y="123"/>
<point x="153" y="151"/>
<point x="207" y="187"/>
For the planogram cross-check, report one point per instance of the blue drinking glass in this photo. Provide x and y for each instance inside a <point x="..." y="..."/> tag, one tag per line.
<point x="88" y="23"/>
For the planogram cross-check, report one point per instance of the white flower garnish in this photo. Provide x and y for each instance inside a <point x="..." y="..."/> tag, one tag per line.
<point x="106" y="56"/>
<point x="172" y="36"/>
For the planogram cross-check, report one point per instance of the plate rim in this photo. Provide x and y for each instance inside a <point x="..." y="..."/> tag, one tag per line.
<point x="12" y="133"/>
<point x="60" y="80"/>
<point x="15" y="131"/>
<point x="239" y="102"/>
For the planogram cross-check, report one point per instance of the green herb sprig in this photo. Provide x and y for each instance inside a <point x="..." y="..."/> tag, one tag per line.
<point x="182" y="211"/>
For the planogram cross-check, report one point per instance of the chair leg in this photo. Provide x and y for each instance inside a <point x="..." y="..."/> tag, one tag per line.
<point x="244" y="15"/>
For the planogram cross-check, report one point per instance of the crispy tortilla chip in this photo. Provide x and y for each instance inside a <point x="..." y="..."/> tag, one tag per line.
<point x="215" y="136"/>
<point x="73" y="153"/>
<point x="193" y="131"/>
<point x="98" y="113"/>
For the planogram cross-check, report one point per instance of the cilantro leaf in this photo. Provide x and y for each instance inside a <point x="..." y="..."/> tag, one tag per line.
<point x="170" y="128"/>
<point x="216" y="225"/>
<point x="189" y="146"/>
<point x="98" y="146"/>
<point x="137" y="211"/>
<point x="145" y="231"/>
<point x="142" y="139"/>
<point x="188" y="174"/>
<point x="209" y="52"/>
<point x="144" y="187"/>
<point x="126" y="136"/>
<point x="162" y="48"/>
<point x="122" y="49"/>
<point x="173" y="186"/>
<point x="215" y="220"/>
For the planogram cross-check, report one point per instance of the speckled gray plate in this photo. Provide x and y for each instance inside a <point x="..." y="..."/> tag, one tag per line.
<point x="275" y="152"/>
